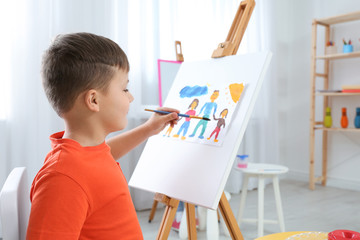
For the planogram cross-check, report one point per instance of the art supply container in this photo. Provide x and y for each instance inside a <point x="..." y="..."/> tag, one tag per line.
<point x="330" y="50"/>
<point x="348" y="48"/>
<point x="242" y="161"/>
<point x="357" y="118"/>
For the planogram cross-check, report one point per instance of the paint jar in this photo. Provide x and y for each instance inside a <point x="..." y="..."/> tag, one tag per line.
<point x="357" y="118"/>
<point x="242" y="161"/>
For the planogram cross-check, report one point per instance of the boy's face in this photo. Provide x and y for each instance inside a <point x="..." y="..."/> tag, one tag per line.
<point x="115" y="102"/>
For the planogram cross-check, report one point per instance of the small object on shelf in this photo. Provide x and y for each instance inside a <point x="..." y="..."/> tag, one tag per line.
<point x="330" y="48"/>
<point x="354" y="86"/>
<point x="351" y="88"/>
<point x="357" y="118"/>
<point x="344" y="119"/>
<point x="330" y="43"/>
<point x="329" y="91"/>
<point x="328" y="118"/>
<point x="242" y="161"/>
<point x="348" y="47"/>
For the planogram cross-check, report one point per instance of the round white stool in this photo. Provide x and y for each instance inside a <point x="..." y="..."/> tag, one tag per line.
<point x="262" y="171"/>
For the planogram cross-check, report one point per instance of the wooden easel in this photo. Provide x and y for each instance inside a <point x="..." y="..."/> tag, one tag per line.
<point x="227" y="48"/>
<point x="179" y="58"/>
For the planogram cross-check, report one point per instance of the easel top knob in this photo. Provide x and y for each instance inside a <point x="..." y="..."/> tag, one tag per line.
<point x="178" y="51"/>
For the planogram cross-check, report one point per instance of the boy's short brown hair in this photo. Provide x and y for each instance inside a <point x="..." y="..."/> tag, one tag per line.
<point x="78" y="62"/>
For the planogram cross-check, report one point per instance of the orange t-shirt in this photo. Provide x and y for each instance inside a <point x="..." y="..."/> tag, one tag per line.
<point x="81" y="193"/>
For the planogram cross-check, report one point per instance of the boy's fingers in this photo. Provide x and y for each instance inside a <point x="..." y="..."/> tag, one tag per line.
<point x="171" y="117"/>
<point x="168" y="109"/>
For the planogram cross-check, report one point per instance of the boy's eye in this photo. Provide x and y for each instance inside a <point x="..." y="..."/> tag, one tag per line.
<point x="126" y="90"/>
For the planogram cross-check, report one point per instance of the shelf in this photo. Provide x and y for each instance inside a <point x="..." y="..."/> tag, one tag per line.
<point x="339" y="19"/>
<point x="336" y="94"/>
<point x="339" y="56"/>
<point x="338" y="129"/>
<point x="325" y="94"/>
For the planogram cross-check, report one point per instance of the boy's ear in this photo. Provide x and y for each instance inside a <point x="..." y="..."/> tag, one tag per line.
<point x="92" y="100"/>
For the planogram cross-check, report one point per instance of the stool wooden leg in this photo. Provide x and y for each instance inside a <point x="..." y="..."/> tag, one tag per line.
<point x="261" y="206"/>
<point x="212" y="226"/>
<point x="202" y="214"/>
<point x="243" y="198"/>
<point x="183" y="231"/>
<point x="278" y="203"/>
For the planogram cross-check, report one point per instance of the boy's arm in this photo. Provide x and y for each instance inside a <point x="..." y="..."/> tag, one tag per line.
<point x="123" y="143"/>
<point x="58" y="210"/>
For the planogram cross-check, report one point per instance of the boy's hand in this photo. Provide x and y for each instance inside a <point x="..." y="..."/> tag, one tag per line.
<point x="157" y="122"/>
<point x="123" y="143"/>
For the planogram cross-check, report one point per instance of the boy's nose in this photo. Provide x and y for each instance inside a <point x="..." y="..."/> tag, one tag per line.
<point x="131" y="97"/>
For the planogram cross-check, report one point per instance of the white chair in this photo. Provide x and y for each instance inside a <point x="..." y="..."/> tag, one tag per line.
<point x="262" y="171"/>
<point x="15" y="205"/>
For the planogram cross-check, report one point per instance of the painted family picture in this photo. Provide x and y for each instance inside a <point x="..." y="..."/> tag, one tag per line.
<point x="214" y="102"/>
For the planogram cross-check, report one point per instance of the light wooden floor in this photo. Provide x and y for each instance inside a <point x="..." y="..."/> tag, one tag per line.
<point x="324" y="209"/>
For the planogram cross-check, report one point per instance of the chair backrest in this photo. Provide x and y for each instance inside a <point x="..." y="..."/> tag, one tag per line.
<point x="15" y="205"/>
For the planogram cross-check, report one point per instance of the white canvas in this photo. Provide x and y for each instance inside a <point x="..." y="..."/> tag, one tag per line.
<point x="192" y="171"/>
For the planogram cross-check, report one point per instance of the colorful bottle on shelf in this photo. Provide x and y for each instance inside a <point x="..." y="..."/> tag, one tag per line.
<point x="344" y="119"/>
<point x="328" y="119"/>
<point x="357" y="118"/>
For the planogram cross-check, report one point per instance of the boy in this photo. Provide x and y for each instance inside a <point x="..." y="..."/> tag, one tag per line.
<point x="80" y="192"/>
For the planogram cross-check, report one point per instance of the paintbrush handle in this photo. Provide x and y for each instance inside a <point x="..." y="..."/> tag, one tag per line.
<point x="179" y="114"/>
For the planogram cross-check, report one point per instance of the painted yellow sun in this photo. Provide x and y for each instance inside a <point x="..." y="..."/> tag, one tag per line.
<point x="236" y="90"/>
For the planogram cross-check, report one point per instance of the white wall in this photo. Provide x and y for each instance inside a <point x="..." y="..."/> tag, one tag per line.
<point x="294" y="46"/>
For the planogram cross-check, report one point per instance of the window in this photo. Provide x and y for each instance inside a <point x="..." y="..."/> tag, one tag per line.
<point x="11" y="17"/>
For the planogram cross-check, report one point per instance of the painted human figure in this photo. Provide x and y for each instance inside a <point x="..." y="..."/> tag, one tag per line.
<point x="168" y="131"/>
<point x="207" y="109"/>
<point x="220" y="123"/>
<point x="185" y="126"/>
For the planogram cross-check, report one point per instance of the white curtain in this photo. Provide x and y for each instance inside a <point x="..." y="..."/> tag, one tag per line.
<point x="146" y="30"/>
<point x="260" y="140"/>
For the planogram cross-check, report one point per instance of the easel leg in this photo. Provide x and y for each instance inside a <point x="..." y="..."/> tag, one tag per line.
<point x="229" y="219"/>
<point x="153" y="210"/>
<point x="191" y="221"/>
<point x="168" y="218"/>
